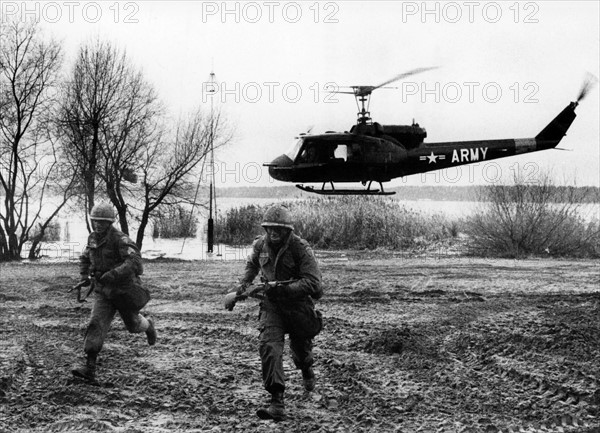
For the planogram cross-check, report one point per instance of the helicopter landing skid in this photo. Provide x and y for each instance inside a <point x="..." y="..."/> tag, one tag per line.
<point x="334" y="191"/>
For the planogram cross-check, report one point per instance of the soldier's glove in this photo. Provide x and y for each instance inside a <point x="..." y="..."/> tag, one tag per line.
<point x="230" y="300"/>
<point x="241" y="290"/>
<point x="107" y="278"/>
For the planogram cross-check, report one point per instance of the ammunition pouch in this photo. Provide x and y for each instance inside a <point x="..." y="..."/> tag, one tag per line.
<point x="129" y="296"/>
<point x="302" y="319"/>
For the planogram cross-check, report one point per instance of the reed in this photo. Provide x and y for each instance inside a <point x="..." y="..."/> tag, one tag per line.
<point x="343" y="223"/>
<point x="174" y="222"/>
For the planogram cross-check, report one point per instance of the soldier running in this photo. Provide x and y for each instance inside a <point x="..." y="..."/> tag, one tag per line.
<point x="281" y="255"/>
<point x="112" y="262"/>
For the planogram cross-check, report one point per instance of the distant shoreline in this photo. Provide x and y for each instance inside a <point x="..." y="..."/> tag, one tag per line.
<point x="412" y="193"/>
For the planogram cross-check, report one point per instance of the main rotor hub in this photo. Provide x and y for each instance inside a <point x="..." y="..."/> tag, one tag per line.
<point x="364" y="115"/>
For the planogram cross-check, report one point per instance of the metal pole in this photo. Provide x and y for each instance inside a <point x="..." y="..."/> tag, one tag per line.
<point x="210" y="233"/>
<point x="210" y="222"/>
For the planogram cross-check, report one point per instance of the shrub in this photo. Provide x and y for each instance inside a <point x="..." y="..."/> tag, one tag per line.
<point x="522" y="219"/>
<point x="174" y="222"/>
<point x="51" y="233"/>
<point x="240" y="225"/>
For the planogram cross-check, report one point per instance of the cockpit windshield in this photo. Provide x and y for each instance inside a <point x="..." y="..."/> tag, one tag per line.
<point x="294" y="149"/>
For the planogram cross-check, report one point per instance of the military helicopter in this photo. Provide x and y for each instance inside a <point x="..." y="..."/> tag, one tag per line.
<point x="372" y="152"/>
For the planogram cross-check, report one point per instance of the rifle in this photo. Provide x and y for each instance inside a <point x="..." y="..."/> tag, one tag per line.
<point x="89" y="281"/>
<point x="256" y="291"/>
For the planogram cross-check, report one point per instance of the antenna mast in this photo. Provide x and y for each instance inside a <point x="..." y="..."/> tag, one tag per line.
<point x="213" y="196"/>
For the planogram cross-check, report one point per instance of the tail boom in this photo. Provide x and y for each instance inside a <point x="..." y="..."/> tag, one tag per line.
<point x="551" y="135"/>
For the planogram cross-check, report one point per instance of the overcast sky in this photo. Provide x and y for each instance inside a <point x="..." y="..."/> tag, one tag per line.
<point x="505" y="70"/>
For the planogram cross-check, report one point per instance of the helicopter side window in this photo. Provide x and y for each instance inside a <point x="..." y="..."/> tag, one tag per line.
<point x="315" y="152"/>
<point x="341" y="153"/>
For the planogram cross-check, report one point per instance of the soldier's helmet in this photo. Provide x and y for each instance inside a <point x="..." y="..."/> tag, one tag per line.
<point x="278" y="216"/>
<point x="103" y="211"/>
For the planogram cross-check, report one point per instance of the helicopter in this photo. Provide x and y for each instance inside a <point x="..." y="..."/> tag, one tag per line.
<point x="371" y="152"/>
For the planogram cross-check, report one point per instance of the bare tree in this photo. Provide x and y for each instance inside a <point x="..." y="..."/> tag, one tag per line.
<point x="128" y="133"/>
<point x="29" y="69"/>
<point x="115" y="132"/>
<point x="107" y="117"/>
<point x="169" y="163"/>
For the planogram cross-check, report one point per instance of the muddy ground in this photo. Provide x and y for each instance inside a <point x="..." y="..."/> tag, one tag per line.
<point x="409" y="345"/>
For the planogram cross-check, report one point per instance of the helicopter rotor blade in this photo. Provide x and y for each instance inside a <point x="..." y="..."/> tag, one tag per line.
<point x="404" y="75"/>
<point x="362" y="91"/>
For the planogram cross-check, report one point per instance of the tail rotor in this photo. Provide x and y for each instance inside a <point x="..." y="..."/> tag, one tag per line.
<point x="588" y="84"/>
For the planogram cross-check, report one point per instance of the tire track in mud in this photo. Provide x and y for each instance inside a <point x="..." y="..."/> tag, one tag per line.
<point x="564" y="395"/>
<point x="560" y="395"/>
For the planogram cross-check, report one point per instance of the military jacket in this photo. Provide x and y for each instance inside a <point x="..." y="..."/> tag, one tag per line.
<point x="116" y="254"/>
<point x="294" y="260"/>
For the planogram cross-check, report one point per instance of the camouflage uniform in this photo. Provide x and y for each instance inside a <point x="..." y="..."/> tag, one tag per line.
<point x="284" y="314"/>
<point x="116" y="262"/>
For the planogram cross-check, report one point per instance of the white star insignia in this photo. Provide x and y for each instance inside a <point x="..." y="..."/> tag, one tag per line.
<point x="432" y="158"/>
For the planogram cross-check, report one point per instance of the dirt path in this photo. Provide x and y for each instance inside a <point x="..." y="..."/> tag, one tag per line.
<point x="410" y="345"/>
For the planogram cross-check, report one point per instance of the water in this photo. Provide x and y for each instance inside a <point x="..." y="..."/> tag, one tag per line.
<point x="74" y="236"/>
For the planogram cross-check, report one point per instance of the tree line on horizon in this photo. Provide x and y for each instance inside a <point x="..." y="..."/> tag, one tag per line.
<point x="587" y="194"/>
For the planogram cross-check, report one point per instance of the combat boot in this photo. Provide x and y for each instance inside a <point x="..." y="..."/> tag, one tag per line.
<point x="308" y="379"/>
<point x="276" y="410"/>
<point x="151" y="332"/>
<point x="87" y="372"/>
